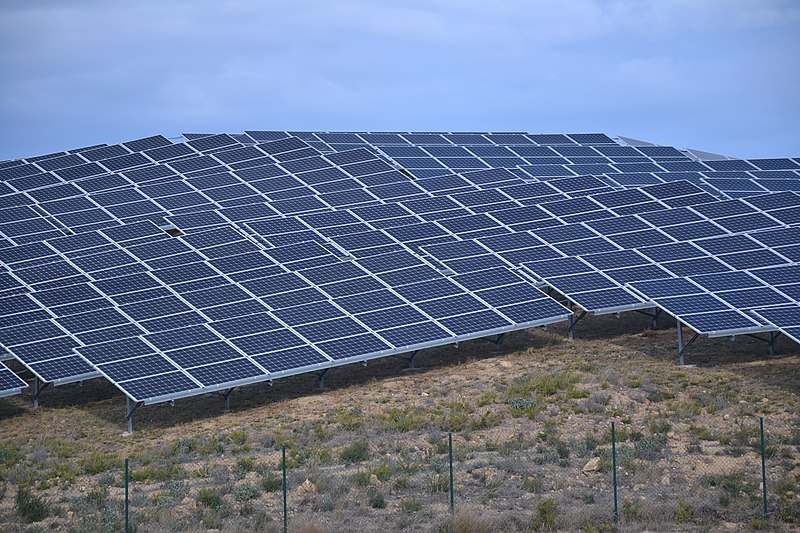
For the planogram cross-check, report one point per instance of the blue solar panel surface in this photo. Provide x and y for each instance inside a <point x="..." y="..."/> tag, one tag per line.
<point x="288" y="255"/>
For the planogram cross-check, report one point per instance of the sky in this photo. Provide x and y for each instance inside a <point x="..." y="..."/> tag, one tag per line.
<point x="716" y="75"/>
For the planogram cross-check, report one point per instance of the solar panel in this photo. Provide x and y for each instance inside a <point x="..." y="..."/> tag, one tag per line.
<point x="207" y="281"/>
<point x="10" y="383"/>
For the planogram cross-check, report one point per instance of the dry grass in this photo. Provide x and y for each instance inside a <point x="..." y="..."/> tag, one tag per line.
<point x="526" y="419"/>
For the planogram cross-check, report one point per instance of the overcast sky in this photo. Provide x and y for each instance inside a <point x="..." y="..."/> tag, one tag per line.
<point x="715" y="75"/>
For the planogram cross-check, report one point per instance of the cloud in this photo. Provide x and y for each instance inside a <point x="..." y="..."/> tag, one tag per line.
<point x="90" y="71"/>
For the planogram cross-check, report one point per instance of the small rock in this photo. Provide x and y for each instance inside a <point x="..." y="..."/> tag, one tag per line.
<point x="637" y="488"/>
<point x="790" y="494"/>
<point x="308" y="486"/>
<point x="592" y="466"/>
<point x="70" y="514"/>
<point x="665" y="481"/>
<point x="374" y="481"/>
<point x="764" y="400"/>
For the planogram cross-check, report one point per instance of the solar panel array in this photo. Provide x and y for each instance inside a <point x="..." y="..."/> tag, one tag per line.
<point x="293" y="252"/>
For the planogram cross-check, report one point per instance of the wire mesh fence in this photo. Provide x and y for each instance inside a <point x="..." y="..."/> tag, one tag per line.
<point x="739" y="473"/>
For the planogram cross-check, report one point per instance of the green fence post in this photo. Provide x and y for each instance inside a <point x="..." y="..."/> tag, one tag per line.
<point x="285" y="515"/>
<point x="127" y="526"/>
<point x="614" y="468"/>
<point x="452" y="498"/>
<point x="763" y="465"/>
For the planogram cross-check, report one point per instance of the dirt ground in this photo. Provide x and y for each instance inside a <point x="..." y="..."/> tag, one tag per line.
<point x="531" y="430"/>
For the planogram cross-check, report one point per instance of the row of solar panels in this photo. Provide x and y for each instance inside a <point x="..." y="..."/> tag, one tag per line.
<point x="36" y="214"/>
<point x="188" y="159"/>
<point x="457" y="209"/>
<point x="172" y="317"/>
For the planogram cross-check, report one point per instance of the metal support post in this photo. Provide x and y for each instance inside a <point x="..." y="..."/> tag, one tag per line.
<point x="656" y="314"/>
<point x="614" y="468"/>
<point x="573" y="322"/>
<point x="38" y="387"/>
<point x="321" y="378"/>
<point x="771" y="343"/>
<point x="227" y="396"/>
<point x="763" y="466"/>
<point x="127" y="526"/>
<point x="285" y="514"/>
<point x="130" y="407"/>
<point x="452" y="497"/>
<point x="499" y="338"/>
<point x="683" y="347"/>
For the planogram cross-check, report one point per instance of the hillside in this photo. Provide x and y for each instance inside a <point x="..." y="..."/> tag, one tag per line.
<point x="527" y="416"/>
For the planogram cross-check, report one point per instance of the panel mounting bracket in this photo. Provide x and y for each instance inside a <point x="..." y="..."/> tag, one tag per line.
<point x="573" y="320"/>
<point x="683" y="347"/>
<point x="38" y="387"/>
<point x="772" y="336"/>
<point x="227" y="397"/>
<point x="654" y="315"/>
<point x="130" y="407"/>
<point x="321" y="378"/>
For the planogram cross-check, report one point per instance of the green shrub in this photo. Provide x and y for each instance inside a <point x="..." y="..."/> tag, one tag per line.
<point x="487" y="420"/>
<point x="210" y="446"/>
<point x="361" y="478"/>
<point x="238" y="437"/>
<point x="404" y="419"/>
<point x="210" y="498"/>
<point x="438" y="483"/>
<point x="349" y="419"/>
<point x="410" y="505"/>
<point x="186" y="445"/>
<point x="356" y="452"/>
<point x="683" y="512"/>
<point x="401" y="483"/>
<point x="245" y="492"/>
<point x="660" y="426"/>
<point x="631" y="510"/>
<point x="270" y="482"/>
<point x="30" y="506"/>
<point x="649" y="447"/>
<point x="376" y="500"/>
<point x="532" y="484"/>
<point x="98" y="463"/>
<point x="546" y="513"/>
<point x="151" y="473"/>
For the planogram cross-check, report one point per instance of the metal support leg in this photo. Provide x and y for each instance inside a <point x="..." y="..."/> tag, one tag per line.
<point x="38" y="387"/>
<point x="683" y="347"/>
<point x="499" y="339"/>
<point x="772" y="336"/>
<point x="410" y="360"/>
<point x="130" y="407"/>
<point x="227" y="397"/>
<point x="656" y="313"/>
<point x="321" y="378"/>
<point x="572" y="322"/>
